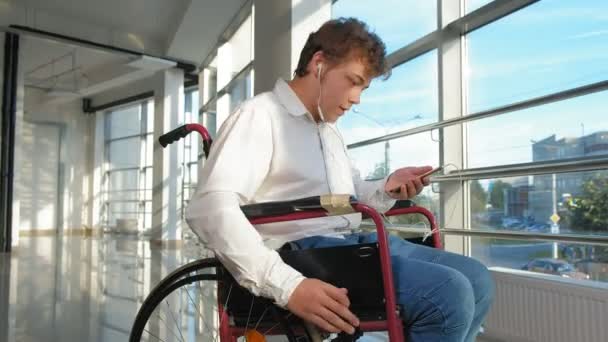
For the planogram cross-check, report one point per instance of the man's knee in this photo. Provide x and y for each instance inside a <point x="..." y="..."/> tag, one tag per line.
<point x="458" y="300"/>
<point x="450" y="306"/>
<point x="482" y="282"/>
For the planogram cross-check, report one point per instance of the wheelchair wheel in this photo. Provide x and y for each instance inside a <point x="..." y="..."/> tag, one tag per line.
<point x="183" y="307"/>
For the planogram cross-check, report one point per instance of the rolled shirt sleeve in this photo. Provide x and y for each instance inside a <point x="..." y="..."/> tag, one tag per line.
<point x="237" y="165"/>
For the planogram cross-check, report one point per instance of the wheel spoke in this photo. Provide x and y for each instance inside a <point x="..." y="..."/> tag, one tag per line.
<point x="175" y="320"/>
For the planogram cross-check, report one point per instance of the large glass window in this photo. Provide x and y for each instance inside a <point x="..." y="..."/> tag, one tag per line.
<point x="208" y="117"/>
<point x="397" y="22"/>
<point x="407" y="99"/>
<point x="554" y="259"/>
<point x="379" y="159"/>
<point x="541" y="49"/>
<point x="549" y="46"/>
<point x="228" y="76"/>
<point x="571" y="203"/>
<point x="127" y="181"/>
<point x="236" y="53"/>
<point x="210" y="80"/>
<point x="571" y="128"/>
<point x="563" y="203"/>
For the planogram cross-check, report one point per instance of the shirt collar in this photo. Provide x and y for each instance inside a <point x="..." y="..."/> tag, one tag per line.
<point x="289" y="99"/>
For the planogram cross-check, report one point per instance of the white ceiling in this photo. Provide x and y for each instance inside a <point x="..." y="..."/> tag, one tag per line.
<point x="200" y="28"/>
<point x="60" y="65"/>
<point x="182" y="29"/>
<point x="155" y="18"/>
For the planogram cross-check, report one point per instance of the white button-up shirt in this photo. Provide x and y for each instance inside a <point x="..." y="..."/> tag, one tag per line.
<point x="271" y="149"/>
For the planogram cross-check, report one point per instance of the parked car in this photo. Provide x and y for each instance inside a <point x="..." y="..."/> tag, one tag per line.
<point x="554" y="266"/>
<point x="539" y="227"/>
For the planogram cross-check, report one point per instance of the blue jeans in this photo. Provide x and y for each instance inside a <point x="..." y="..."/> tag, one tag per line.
<point x="443" y="296"/>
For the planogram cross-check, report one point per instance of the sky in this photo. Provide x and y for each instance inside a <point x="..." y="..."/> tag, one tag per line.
<point x="547" y="47"/>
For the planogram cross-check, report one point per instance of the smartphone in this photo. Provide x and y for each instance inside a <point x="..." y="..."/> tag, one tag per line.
<point x="433" y="171"/>
<point x="426" y="174"/>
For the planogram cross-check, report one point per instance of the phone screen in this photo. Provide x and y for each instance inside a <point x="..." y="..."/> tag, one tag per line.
<point x="435" y="170"/>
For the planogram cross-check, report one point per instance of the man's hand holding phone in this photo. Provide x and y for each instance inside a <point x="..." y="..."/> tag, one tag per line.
<point x="407" y="182"/>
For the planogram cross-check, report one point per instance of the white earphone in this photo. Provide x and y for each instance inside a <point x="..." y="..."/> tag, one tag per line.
<point x="319" y="67"/>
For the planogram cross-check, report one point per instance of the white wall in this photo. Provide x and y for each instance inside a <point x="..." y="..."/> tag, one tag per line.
<point x="52" y="164"/>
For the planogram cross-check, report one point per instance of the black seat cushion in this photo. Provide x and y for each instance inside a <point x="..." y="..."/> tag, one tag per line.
<point x="355" y="267"/>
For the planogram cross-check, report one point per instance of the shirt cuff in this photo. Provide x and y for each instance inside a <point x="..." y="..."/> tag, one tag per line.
<point x="384" y="201"/>
<point x="281" y="281"/>
<point x="382" y="187"/>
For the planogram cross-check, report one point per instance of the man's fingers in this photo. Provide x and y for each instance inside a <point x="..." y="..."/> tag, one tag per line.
<point x="338" y="294"/>
<point x="323" y="324"/>
<point x="334" y="320"/>
<point x="339" y="303"/>
<point x="418" y="185"/>
<point x="411" y="189"/>
<point x="403" y="193"/>
<point x="343" y="312"/>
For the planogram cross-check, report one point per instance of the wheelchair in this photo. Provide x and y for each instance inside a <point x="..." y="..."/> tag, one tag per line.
<point x="218" y="309"/>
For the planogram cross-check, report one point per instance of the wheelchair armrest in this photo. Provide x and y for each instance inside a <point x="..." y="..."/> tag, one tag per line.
<point x="258" y="210"/>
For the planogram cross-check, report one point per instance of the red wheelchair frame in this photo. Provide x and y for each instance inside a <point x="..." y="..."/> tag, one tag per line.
<point x="393" y="323"/>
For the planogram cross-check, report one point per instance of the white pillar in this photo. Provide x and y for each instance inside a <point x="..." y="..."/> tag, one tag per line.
<point x="167" y="166"/>
<point x="306" y="17"/>
<point x="280" y="31"/>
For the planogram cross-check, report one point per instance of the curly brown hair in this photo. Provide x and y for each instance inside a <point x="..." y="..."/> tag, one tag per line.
<point x="342" y="39"/>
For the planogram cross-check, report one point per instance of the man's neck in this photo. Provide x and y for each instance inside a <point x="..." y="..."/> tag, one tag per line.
<point x="302" y="87"/>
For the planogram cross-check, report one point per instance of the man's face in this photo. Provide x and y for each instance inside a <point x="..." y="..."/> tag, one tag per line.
<point x="342" y="85"/>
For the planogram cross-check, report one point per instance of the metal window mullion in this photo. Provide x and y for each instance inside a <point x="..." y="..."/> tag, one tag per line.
<point x="463" y="25"/>
<point x="487" y="14"/>
<point x="132" y="136"/>
<point x="571" y="238"/>
<point x="525" y="169"/>
<point x="502" y="234"/>
<point x="209" y="103"/>
<point x="415" y="49"/>
<point x="119" y="169"/>
<point x="123" y="201"/>
<point x="226" y="89"/>
<point x="453" y="196"/>
<point x="236" y="22"/>
<point x="123" y="190"/>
